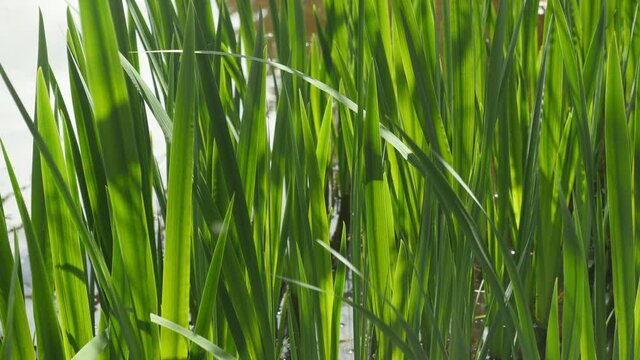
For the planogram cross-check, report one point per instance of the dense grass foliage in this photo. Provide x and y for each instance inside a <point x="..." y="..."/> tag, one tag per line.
<point x="462" y="174"/>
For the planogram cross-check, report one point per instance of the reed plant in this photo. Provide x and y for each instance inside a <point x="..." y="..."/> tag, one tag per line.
<point x="462" y="175"/>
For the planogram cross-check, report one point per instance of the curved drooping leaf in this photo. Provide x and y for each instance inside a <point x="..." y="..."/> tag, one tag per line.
<point x="212" y="349"/>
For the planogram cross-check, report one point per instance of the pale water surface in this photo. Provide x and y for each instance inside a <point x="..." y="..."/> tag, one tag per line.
<point x="18" y="55"/>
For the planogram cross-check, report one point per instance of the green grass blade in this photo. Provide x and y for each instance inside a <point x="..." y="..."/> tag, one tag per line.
<point x="48" y="335"/>
<point x="462" y="94"/>
<point x="576" y="86"/>
<point x="425" y="99"/>
<point x="69" y="268"/>
<point x="115" y="124"/>
<point x="324" y="146"/>
<point x="319" y="228"/>
<point x="552" y="346"/>
<point x="14" y="286"/>
<point x="92" y="162"/>
<point x="620" y="196"/>
<point x="206" y="308"/>
<point x="252" y="144"/>
<point x="175" y="282"/>
<point x="380" y="238"/>
<point x="576" y="315"/>
<point x="38" y="211"/>
<point x="248" y="32"/>
<point x="19" y="326"/>
<point x="228" y="163"/>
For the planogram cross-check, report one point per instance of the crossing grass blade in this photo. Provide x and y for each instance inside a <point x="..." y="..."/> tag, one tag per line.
<point x="164" y="121"/>
<point x="214" y="350"/>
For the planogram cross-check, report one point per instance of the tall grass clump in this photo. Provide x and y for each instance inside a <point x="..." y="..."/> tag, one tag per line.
<point x="460" y="176"/>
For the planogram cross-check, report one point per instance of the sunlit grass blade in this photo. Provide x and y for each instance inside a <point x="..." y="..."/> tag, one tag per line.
<point x="69" y="269"/>
<point x="575" y="84"/>
<point x="175" y="287"/>
<point x="425" y="97"/>
<point x="38" y="211"/>
<point x="122" y="164"/>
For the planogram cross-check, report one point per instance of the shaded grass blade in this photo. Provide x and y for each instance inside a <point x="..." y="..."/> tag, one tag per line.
<point x="207" y="303"/>
<point x="20" y="341"/>
<point x="619" y="189"/>
<point x="48" y="335"/>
